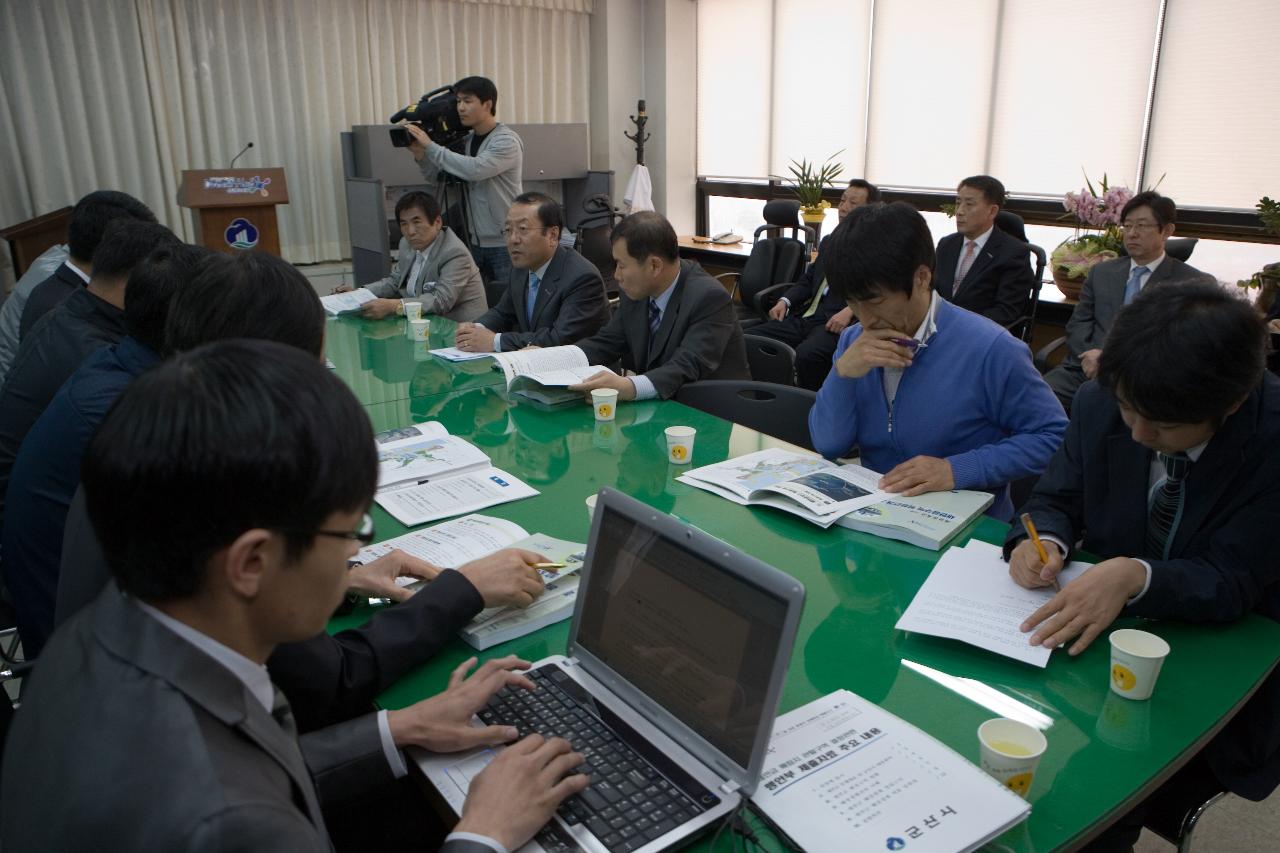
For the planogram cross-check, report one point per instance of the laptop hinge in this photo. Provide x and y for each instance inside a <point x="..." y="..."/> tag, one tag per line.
<point x="730" y="787"/>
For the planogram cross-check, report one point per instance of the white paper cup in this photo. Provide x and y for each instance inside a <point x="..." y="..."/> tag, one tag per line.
<point x="680" y="444"/>
<point x="605" y="402"/>
<point x="1010" y="752"/>
<point x="413" y="310"/>
<point x="591" y="509"/>
<point x="1136" y="658"/>
<point x="419" y="329"/>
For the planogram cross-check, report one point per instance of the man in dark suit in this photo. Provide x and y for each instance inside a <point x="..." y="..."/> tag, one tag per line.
<point x="1169" y="472"/>
<point x="810" y="316"/>
<point x="168" y="661"/>
<point x="1148" y="222"/>
<point x="674" y="323"/>
<point x="89" y="220"/>
<point x="555" y="297"/>
<point x="980" y="267"/>
<point x="90" y="319"/>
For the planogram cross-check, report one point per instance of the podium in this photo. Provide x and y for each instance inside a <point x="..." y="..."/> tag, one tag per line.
<point x="235" y="208"/>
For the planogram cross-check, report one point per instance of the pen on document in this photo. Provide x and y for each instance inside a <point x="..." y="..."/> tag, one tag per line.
<point x="556" y="565"/>
<point x="1030" y="527"/>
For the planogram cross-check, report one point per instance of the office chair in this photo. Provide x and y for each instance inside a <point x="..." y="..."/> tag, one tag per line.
<point x="774" y="263"/>
<point x="1011" y="224"/>
<point x="770" y="360"/>
<point x="591" y="240"/>
<point x="1023" y="327"/>
<point x="781" y="411"/>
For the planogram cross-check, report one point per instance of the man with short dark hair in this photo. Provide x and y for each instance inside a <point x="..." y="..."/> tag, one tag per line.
<point x="820" y="313"/>
<point x="489" y="164"/>
<point x="674" y="323"/>
<point x="46" y="471"/>
<point x="89" y="220"/>
<point x="433" y="268"/>
<point x="935" y="397"/>
<point x="261" y="512"/>
<point x="1148" y="221"/>
<point x="555" y="296"/>
<point x="1169" y="473"/>
<point x="87" y="320"/>
<point x="980" y="267"/>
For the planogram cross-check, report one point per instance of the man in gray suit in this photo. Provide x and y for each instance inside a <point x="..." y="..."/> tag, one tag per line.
<point x="555" y="297"/>
<point x="433" y="268"/>
<point x="159" y="687"/>
<point x="1148" y="222"/>
<point x="674" y="324"/>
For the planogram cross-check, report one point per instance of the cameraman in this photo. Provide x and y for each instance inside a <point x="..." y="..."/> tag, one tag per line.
<point x="490" y="167"/>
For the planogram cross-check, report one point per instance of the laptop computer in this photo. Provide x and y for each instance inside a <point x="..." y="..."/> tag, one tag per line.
<point x="677" y="652"/>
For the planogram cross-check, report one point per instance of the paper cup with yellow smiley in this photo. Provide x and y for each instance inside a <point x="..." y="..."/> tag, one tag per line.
<point x="605" y="402"/>
<point x="1136" y="658"/>
<point x="680" y="444"/>
<point x="1010" y="752"/>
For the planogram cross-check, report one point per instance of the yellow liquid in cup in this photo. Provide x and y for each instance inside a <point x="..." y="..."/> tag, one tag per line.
<point x="1008" y="748"/>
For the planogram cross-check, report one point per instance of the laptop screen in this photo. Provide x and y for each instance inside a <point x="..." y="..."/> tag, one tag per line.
<point x="694" y="638"/>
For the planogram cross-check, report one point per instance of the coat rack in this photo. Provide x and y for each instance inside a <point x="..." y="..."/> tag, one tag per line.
<point x="640" y="137"/>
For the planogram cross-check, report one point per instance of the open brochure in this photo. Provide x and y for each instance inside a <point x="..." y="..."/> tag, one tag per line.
<point x="542" y="375"/>
<point x="416" y="454"/>
<point x="825" y="493"/>
<point x="450" y="496"/>
<point x="844" y="774"/>
<point x="455" y="354"/>
<point x="970" y="597"/>
<point x="346" y="303"/>
<point x="810" y="487"/>
<point x="461" y="540"/>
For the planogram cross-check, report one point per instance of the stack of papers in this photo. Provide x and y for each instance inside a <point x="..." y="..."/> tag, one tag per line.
<point x="970" y="597"/>
<point x="346" y="303"/>
<point x="844" y="774"/>
<point x="462" y="540"/>
<point x="425" y="474"/>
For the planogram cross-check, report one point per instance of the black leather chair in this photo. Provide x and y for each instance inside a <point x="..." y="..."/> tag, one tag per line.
<point x="781" y="411"/>
<point x="1023" y="327"/>
<point x="776" y="261"/>
<point x="591" y="240"/>
<point x="1012" y="224"/>
<point x="770" y="360"/>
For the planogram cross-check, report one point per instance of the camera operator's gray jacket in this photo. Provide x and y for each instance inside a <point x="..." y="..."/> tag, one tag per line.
<point x="493" y="179"/>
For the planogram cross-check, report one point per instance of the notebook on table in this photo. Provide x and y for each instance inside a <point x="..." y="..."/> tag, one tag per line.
<point x="677" y="653"/>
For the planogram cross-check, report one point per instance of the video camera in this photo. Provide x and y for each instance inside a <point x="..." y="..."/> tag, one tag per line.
<point x="436" y="113"/>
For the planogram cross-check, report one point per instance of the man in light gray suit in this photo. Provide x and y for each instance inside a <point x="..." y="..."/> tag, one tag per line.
<point x="151" y="722"/>
<point x="433" y="268"/>
<point x="1148" y="222"/>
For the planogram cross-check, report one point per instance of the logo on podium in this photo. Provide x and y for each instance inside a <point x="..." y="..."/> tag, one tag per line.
<point x="241" y="234"/>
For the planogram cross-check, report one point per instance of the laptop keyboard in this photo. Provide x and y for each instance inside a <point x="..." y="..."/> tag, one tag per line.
<point x="629" y="802"/>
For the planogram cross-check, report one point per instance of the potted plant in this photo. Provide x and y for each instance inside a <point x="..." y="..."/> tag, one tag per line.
<point x="1267" y="279"/>
<point x="810" y="181"/>
<point x="1097" y="237"/>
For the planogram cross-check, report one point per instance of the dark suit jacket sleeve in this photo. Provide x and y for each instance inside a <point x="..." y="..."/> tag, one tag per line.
<point x="583" y="310"/>
<point x="1082" y="334"/>
<point x="1056" y="504"/>
<point x="802" y="291"/>
<point x="706" y="337"/>
<point x="1013" y="277"/>
<point x="609" y="344"/>
<point x="501" y="317"/>
<point x="332" y="678"/>
<point x="346" y="759"/>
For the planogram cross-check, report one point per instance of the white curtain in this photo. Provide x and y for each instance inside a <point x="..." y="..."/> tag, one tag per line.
<point x="125" y="94"/>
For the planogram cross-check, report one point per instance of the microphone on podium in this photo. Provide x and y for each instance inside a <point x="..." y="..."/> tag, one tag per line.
<point x="238" y="156"/>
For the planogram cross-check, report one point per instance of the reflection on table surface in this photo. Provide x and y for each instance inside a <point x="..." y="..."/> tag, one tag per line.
<point x="1102" y="750"/>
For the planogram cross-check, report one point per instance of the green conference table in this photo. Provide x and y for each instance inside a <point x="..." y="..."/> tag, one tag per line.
<point x="1105" y="753"/>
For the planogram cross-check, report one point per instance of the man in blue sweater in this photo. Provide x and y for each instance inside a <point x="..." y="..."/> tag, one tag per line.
<point x="932" y="395"/>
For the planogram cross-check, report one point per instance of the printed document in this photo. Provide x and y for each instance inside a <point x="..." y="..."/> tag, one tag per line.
<point x="844" y="774"/>
<point x="346" y="303"/>
<point x="415" y="454"/>
<point x="970" y="597"/>
<point x="452" y="496"/>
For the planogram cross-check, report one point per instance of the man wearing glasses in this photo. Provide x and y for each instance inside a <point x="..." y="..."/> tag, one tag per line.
<point x="1148" y="221"/>
<point x="555" y="296"/>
